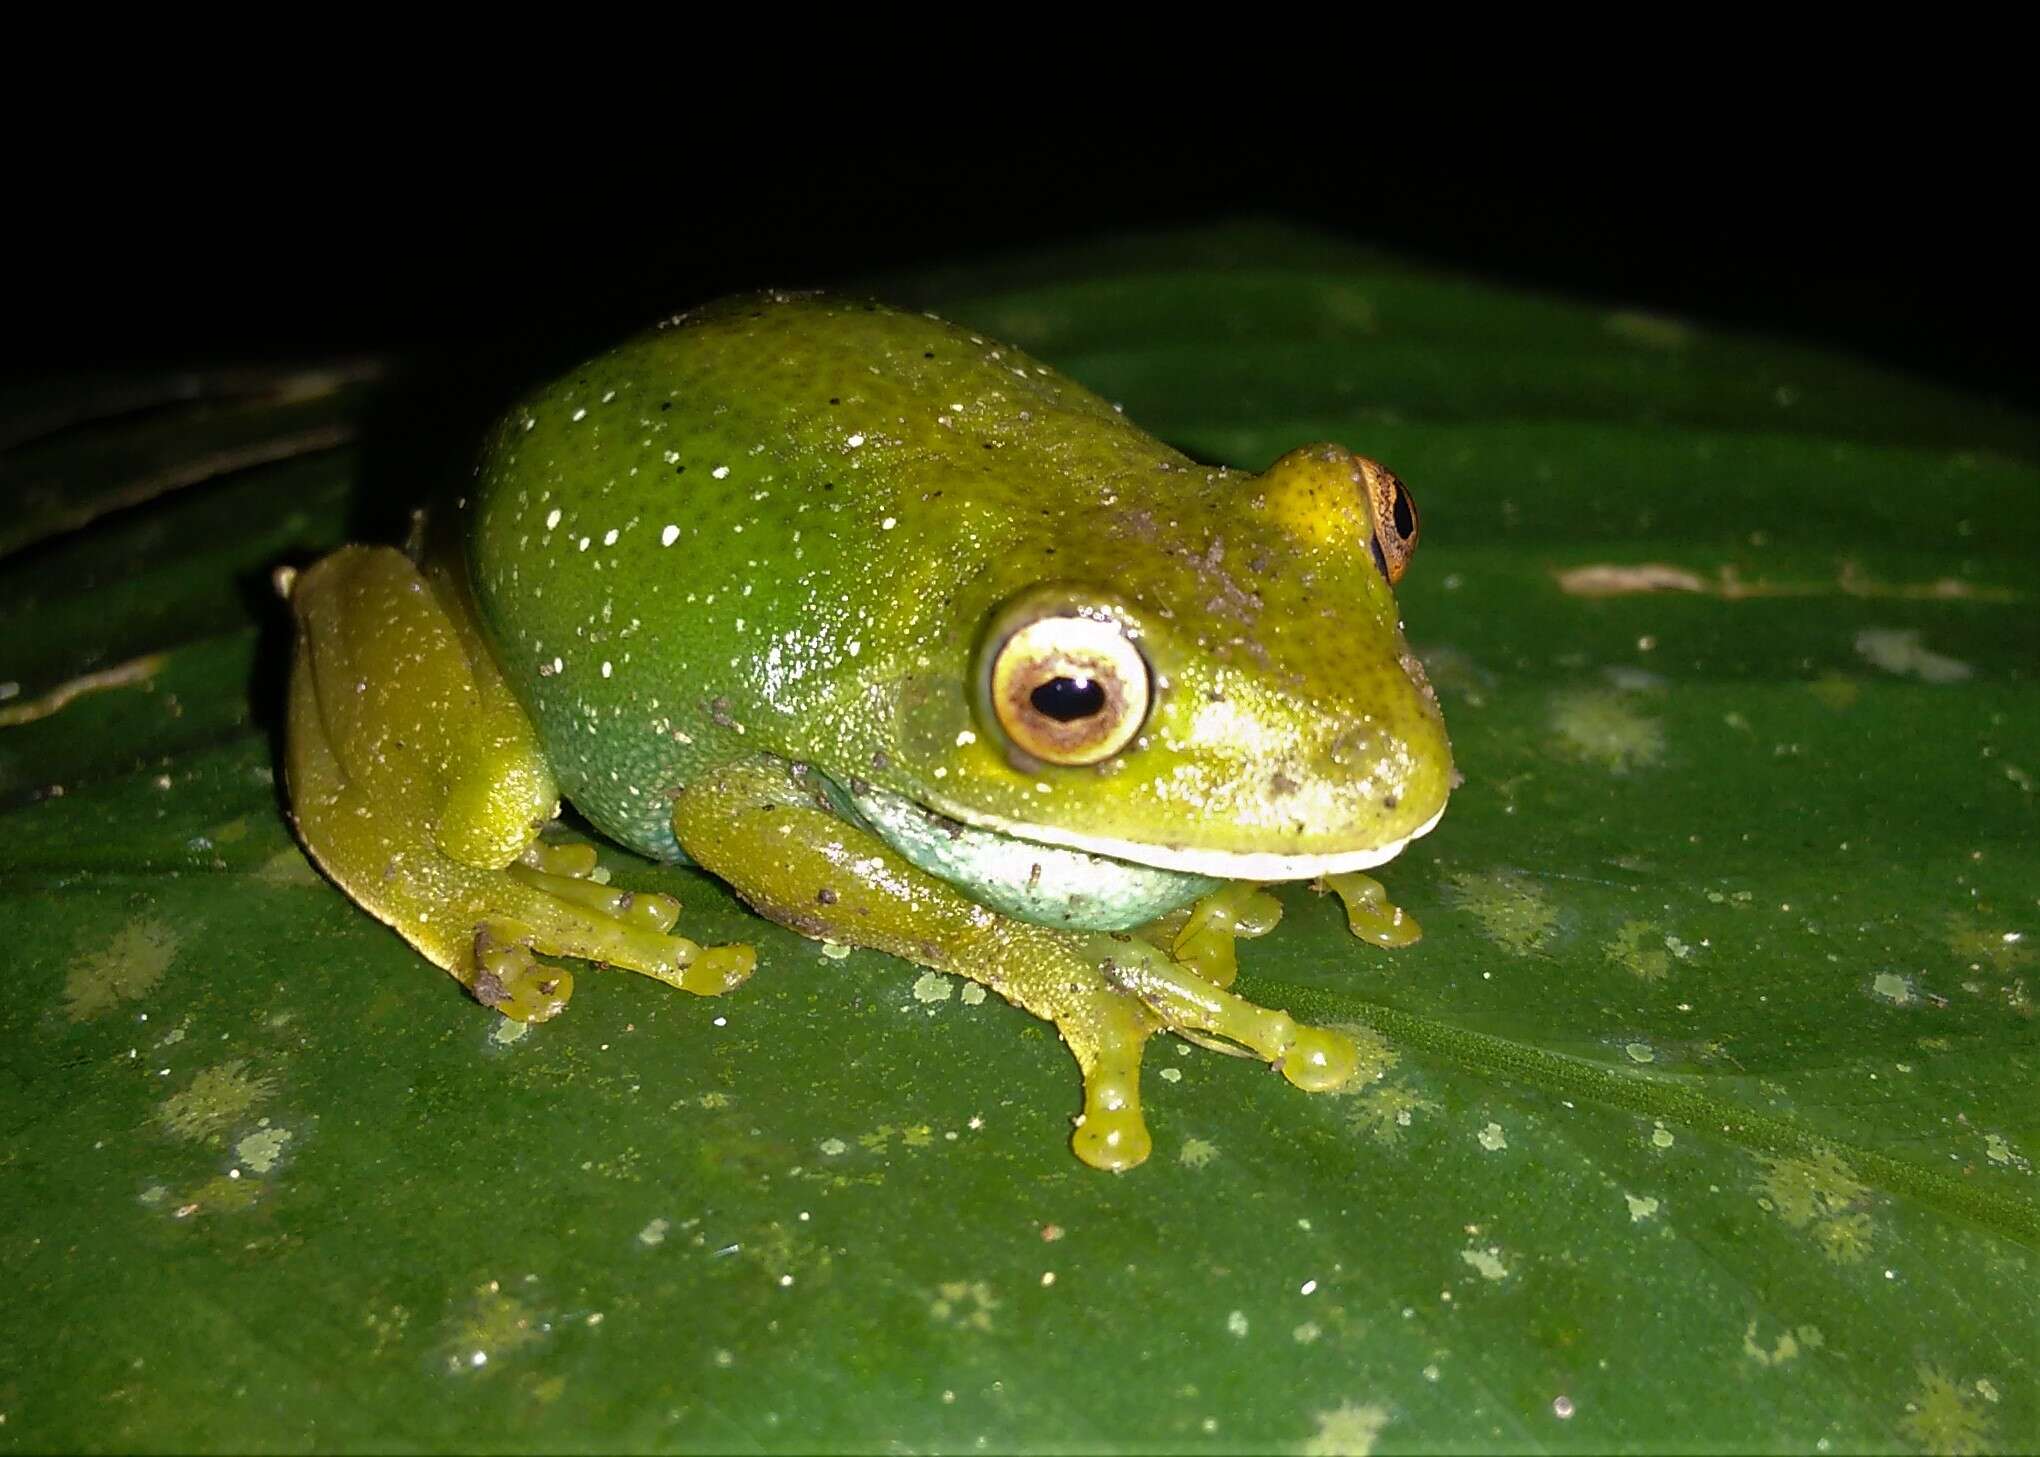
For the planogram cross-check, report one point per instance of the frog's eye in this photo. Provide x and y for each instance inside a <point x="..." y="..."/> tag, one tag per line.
<point x="1067" y="689"/>
<point x="1395" y="520"/>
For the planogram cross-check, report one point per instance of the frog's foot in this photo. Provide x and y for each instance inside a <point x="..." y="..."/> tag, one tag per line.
<point x="1369" y="913"/>
<point x="625" y="928"/>
<point x="1202" y="935"/>
<point x="1315" y="1059"/>
<point x="509" y="978"/>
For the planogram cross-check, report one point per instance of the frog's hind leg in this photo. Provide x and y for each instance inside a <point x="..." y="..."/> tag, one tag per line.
<point x="417" y="784"/>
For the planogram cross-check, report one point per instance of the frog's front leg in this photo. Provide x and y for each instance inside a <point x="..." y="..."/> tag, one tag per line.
<point x="417" y="783"/>
<point x="767" y="830"/>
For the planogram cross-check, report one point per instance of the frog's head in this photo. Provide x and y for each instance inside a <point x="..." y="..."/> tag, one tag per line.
<point x="1206" y="676"/>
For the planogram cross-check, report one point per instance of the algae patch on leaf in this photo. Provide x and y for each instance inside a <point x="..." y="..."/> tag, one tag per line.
<point x="216" y="1099"/>
<point x="125" y="968"/>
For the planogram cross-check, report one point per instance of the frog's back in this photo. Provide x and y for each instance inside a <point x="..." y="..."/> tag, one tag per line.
<point x="678" y="548"/>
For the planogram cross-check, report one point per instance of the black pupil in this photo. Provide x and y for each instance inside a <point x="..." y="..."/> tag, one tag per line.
<point x="1067" y="699"/>
<point x="1405" y="513"/>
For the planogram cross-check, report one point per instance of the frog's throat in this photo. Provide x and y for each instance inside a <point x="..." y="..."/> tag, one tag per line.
<point x="1045" y="884"/>
<point x="1219" y="864"/>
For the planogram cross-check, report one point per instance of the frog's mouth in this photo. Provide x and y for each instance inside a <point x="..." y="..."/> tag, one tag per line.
<point x="1057" y="878"/>
<point x="1218" y="864"/>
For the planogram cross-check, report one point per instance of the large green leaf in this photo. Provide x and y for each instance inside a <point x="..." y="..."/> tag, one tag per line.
<point x="1703" y="1116"/>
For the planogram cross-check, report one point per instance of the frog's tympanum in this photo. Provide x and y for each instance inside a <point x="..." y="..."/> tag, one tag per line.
<point x="917" y="645"/>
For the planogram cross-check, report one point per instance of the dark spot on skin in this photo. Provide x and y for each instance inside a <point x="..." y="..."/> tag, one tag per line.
<point x="490" y="991"/>
<point x="1034" y="874"/>
<point x="665" y="404"/>
<point x="930" y="354"/>
<point x="880" y="761"/>
<point x="549" y="987"/>
<point x="1280" y="784"/>
<point x="859" y="787"/>
<point x="1390" y="802"/>
<point x="826" y="896"/>
<point x="625" y="899"/>
<point x="719" y="711"/>
<point x="835" y="400"/>
<point x="679" y="470"/>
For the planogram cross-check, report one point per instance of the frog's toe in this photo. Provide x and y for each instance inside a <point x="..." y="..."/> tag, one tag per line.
<point x="1312" y="1058"/>
<point x="1203" y="938"/>
<point x="1319" y="1060"/>
<point x="1112" y="1135"/>
<point x="506" y="976"/>
<point x="576" y="917"/>
<point x="1369" y="913"/>
<point x="574" y="858"/>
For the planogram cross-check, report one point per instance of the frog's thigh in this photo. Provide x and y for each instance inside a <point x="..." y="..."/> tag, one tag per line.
<point x="418" y="786"/>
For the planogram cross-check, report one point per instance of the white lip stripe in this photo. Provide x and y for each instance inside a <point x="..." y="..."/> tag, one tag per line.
<point x="1220" y="864"/>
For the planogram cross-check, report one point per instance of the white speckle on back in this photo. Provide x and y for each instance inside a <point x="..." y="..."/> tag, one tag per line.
<point x="670" y="535"/>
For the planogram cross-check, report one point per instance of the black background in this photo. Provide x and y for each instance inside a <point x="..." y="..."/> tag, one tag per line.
<point x="493" y="263"/>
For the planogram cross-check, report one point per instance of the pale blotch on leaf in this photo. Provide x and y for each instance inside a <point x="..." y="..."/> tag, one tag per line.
<point x="1901" y="653"/>
<point x="932" y="986"/>
<point x="262" y="1149"/>
<point x="1836" y="691"/>
<point x="221" y="1194"/>
<point x="2002" y="951"/>
<point x="1644" y="950"/>
<point x="1512" y="910"/>
<point x="1384" y="1113"/>
<point x="1786" y="1348"/>
<point x="1374" y="1058"/>
<point x="1196" y="1153"/>
<point x="1600" y="728"/>
<point x="218" y="1098"/>
<point x="1641" y="1208"/>
<point x="126" y="967"/>
<point x="1487" y="1262"/>
<point x="494" y="1324"/>
<point x="1492" y="1138"/>
<point x="1820" y="1195"/>
<point x="964" y="1304"/>
<point x="1998" y="1149"/>
<point x="1893" y="988"/>
<point x="1944" y="1420"/>
<point x="1350" y="1430"/>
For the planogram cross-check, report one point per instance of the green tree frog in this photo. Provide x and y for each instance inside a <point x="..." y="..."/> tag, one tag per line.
<point x="914" y="642"/>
